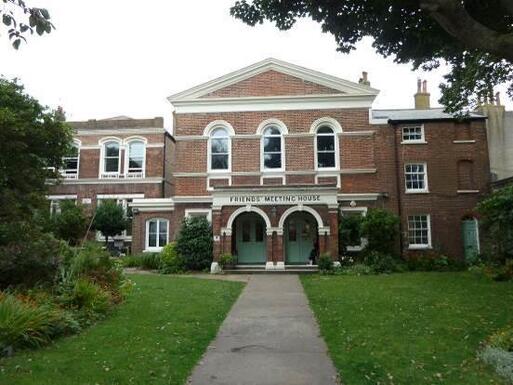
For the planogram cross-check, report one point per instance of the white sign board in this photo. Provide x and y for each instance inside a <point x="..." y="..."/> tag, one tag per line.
<point x="227" y="198"/>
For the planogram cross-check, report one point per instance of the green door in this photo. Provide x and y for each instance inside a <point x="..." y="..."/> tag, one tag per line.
<point x="470" y="239"/>
<point x="299" y="238"/>
<point x="250" y="239"/>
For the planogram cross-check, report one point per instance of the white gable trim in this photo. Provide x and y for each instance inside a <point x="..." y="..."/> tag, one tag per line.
<point x="323" y="79"/>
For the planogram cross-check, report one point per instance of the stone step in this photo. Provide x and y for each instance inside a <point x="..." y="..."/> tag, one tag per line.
<point x="260" y="269"/>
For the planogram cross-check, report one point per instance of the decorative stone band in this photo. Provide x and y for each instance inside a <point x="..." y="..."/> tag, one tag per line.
<point x="152" y="204"/>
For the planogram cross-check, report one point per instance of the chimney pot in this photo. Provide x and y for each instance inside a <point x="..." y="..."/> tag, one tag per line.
<point x="364" y="79"/>
<point x="424" y="86"/>
<point x="419" y="82"/>
<point x="422" y="97"/>
<point x="498" y="98"/>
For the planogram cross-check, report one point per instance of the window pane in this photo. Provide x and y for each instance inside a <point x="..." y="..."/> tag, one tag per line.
<point x="325" y="130"/>
<point x="152" y="240"/>
<point x="272" y="160"/>
<point x="272" y="131"/>
<point x="325" y="143"/>
<point x="219" y="132"/>
<point x="325" y="159"/>
<point x="71" y="164"/>
<point x="111" y="149"/>
<point x="246" y="231"/>
<point x="135" y="163"/>
<point x="136" y="149"/>
<point x="152" y="228"/>
<point x="259" y="231"/>
<point x="219" y="146"/>
<point x="162" y="240"/>
<point x="219" y="162"/>
<point x="272" y="144"/>
<point x="111" y="164"/>
<point x="163" y="227"/>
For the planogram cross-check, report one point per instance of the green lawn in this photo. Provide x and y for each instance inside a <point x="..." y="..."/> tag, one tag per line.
<point x="155" y="337"/>
<point x="412" y="328"/>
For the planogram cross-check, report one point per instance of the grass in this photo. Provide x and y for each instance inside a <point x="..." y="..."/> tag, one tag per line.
<point x="412" y="328"/>
<point x="155" y="337"/>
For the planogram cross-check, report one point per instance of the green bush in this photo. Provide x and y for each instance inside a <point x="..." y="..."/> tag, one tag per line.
<point x="433" y="261"/>
<point x="71" y="223"/>
<point x="89" y="298"/>
<point x="383" y="263"/>
<point x="381" y="228"/>
<point x="325" y="263"/>
<point x="171" y="262"/>
<point x="110" y="219"/>
<point x="500" y="272"/>
<point x="23" y="324"/>
<point x="349" y="231"/>
<point x="496" y="219"/>
<point x="131" y="261"/>
<point x="28" y="256"/>
<point x="227" y="260"/>
<point x="194" y="243"/>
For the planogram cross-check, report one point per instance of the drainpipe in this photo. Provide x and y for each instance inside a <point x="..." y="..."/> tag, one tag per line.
<point x="398" y="186"/>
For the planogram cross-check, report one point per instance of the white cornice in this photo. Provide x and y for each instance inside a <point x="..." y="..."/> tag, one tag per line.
<point x="118" y="131"/>
<point x="269" y="64"/>
<point x="274" y="103"/>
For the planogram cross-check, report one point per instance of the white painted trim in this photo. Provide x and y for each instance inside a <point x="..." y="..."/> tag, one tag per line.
<point x="337" y="129"/>
<point x="228" y="177"/>
<point x="274" y="103"/>
<point x="119" y="196"/>
<point x="358" y="197"/>
<point x="119" y="131"/>
<point x="420" y="246"/>
<point x="61" y="197"/>
<point x="153" y="204"/>
<point x="477" y="236"/>
<point x="192" y="199"/>
<point x="275" y="65"/>
<point x="426" y="185"/>
<point x="218" y="123"/>
<point x="102" y="143"/>
<point x="467" y="191"/>
<point x="358" y="133"/>
<point x="422" y="139"/>
<point x="283" y="130"/>
<point x="147" y="248"/>
<point x="245" y="209"/>
<point x="112" y="181"/>
<point x="181" y="138"/>
<point x="301" y="208"/>
<point x="328" y="121"/>
<point x="347" y="171"/>
<point x="333" y="174"/>
<point x="464" y="141"/>
<point x="199" y="210"/>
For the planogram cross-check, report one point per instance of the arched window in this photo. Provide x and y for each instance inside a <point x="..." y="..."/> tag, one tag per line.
<point x="70" y="162"/>
<point x="111" y="159"/>
<point x="136" y="154"/>
<point x="272" y="149"/>
<point x="157" y="234"/>
<point x="219" y="150"/>
<point x="326" y="153"/>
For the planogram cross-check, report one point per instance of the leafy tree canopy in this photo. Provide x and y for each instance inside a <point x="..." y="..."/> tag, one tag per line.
<point x="33" y="140"/>
<point x="109" y="219"/>
<point x="21" y="20"/>
<point x="474" y="37"/>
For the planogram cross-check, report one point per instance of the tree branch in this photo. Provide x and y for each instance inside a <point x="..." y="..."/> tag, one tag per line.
<point x="454" y="18"/>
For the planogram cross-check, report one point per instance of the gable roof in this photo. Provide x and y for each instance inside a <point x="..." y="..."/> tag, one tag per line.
<point x="344" y="86"/>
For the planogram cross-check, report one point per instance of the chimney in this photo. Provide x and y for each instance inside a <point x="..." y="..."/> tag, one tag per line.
<point x="422" y="96"/>
<point x="364" y="79"/>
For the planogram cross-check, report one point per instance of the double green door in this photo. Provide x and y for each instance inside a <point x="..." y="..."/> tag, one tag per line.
<point x="470" y="239"/>
<point x="300" y="235"/>
<point x="250" y="239"/>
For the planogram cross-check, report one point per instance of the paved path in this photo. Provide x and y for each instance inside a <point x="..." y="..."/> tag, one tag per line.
<point x="269" y="337"/>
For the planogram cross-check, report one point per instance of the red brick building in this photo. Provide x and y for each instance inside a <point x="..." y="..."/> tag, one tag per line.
<point x="273" y="153"/>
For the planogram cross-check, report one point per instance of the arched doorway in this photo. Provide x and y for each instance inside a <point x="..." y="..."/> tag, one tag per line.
<point x="301" y="238"/>
<point x="249" y="239"/>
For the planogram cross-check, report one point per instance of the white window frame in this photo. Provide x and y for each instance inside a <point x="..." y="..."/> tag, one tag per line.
<point x="363" y="240"/>
<point x="207" y="212"/>
<point x="134" y="175"/>
<point x="282" y="149"/>
<point x="111" y="174"/>
<point x="422" y="139"/>
<point x="65" y="172"/>
<point x="209" y="149"/>
<point x="158" y="248"/>
<point x="56" y="199"/>
<point x="425" y="189"/>
<point x="336" y="145"/>
<point x="420" y="246"/>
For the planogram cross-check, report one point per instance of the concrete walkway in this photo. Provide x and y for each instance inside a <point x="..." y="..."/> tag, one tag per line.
<point x="269" y="337"/>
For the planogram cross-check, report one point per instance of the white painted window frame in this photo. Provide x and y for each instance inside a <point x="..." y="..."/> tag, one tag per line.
<point x="417" y="190"/>
<point x="111" y="174"/>
<point x="283" y="132"/>
<point x="420" y="246"/>
<point x="206" y="211"/>
<point x="56" y="199"/>
<point x="64" y="172"/>
<point x="127" y="143"/>
<point x="336" y="149"/>
<point x="422" y="140"/>
<point x="363" y="240"/>
<point x="147" y="248"/>
<point x="211" y="127"/>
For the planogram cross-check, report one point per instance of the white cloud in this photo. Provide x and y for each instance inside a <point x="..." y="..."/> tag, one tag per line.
<point x="123" y="57"/>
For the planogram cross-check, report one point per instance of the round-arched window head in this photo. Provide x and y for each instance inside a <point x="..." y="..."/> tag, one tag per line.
<point x="324" y="130"/>
<point x="272" y="131"/>
<point x="219" y="132"/>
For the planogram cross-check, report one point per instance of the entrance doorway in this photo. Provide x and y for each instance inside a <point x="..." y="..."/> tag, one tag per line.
<point x="250" y="232"/>
<point x="301" y="238"/>
<point x="470" y="236"/>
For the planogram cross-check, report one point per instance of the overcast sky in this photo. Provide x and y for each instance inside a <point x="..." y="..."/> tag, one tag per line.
<point x="124" y="57"/>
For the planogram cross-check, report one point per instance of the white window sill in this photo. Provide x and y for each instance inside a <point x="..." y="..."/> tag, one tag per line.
<point x="153" y="250"/>
<point x="413" y="142"/>
<point x="417" y="191"/>
<point x="419" y="247"/>
<point x="464" y="141"/>
<point x="468" y="191"/>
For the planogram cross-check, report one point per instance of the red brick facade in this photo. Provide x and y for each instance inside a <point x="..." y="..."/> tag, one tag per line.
<point x="369" y="168"/>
